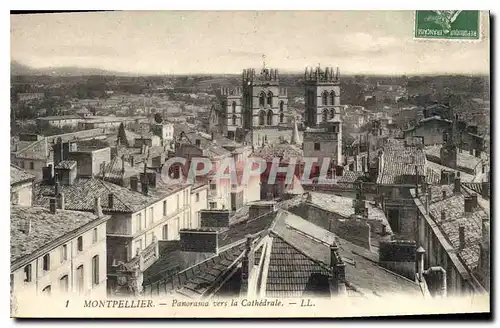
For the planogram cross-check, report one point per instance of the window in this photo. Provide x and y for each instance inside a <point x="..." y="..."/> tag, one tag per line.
<point x="234" y="119"/>
<point x="47" y="290"/>
<point x="151" y="237"/>
<point x="64" y="284"/>
<point x="64" y="253"/>
<point x="262" y="117"/>
<point x="270" y="117"/>
<point x="270" y="99"/>
<point x="213" y="186"/>
<point x="325" y="115"/>
<point x="234" y="106"/>
<point x="332" y="98"/>
<point x="22" y="164"/>
<point x="325" y="98"/>
<point x="138" y="222"/>
<point x="138" y="247"/>
<point x="46" y="262"/>
<point x="151" y="216"/>
<point x="262" y="99"/>
<point x="197" y="197"/>
<point x="27" y="273"/>
<point x="32" y="166"/>
<point x="212" y="205"/>
<point x="95" y="235"/>
<point x="164" y="208"/>
<point x="79" y="279"/>
<point x="282" y="118"/>
<point x="317" y="146"/>
<point x="165" y="232"/>
<point x="282" y="105"/>
<point x="79" y="243"/>
<point x="95" y="270"/>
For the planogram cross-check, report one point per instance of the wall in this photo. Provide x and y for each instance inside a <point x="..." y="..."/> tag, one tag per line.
<point x="273" y="135"/>
<point x="60" y="268"/>
<point x="89" y="162"/>
<point x="399" y="256"/>
<point x="199" y="201"/>
<point x="22" y="194"/>
<point x="356" y="231"/>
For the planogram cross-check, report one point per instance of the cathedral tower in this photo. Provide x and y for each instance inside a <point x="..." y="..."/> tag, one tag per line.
<point x="322" y="94"/>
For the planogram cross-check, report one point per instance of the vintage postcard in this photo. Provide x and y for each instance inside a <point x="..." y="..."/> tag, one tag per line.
<point x="195" y="164"/>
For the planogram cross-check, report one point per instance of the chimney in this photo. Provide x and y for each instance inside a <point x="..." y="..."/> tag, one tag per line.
<point x="131" y="158"/>
<point x="420" y="263"/>
<point x="456" y="188"/>
<point x="111" y="200"/>
<point x="134" y="183"/>
<point x="47" y="173"/>
<point x="485" y="189"/>
<point x="469" y="204"/>
<point x="199" y="240"/>
<point x="444" y="194"/>
<point x="144" y="187"/>
<point x="123" y="164"/>
<point x="97" y="207"/>
<point x="57" y="186"/>
<point x="474" y="200"/>
<point x="214" y="218"/>
<point x="62" y="201"/>
<point x="461" y="237"/>
<point x="443" y="216"/>
<point x="53" y="206"/>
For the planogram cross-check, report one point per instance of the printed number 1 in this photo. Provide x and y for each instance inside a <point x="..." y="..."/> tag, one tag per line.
<point x="67" y="303"/>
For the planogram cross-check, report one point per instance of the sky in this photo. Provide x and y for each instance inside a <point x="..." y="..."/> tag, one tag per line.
<point x="218" y="42"/>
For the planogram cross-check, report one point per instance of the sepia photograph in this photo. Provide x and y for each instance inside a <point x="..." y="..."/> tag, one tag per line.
<point x="222" y="164"/>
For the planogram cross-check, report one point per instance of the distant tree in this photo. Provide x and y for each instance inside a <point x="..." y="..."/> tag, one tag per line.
<point x="158" y="118"/>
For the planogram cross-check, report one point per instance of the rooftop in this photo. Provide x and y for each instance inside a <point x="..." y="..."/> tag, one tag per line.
<point x="283" y="151"/>
<point x="400" y="163"/>
<point x="18" y="175"/>
<point x="464" y="159"/>
<point x="46" y="228"/>
<point x="67" y="165"/>
<point x="58" y="118"/>
<point x="81" y="195"/>
<point x="455" y="217"/>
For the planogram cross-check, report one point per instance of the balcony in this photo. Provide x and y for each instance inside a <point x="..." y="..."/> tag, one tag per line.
<point x="145" y="258"/>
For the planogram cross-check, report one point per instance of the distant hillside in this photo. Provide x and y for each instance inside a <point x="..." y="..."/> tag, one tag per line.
<point x="17" y="69"/>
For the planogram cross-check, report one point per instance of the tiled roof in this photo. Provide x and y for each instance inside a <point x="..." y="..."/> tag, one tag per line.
<point x="45" y="228"/>
<point x="399" y="162"/>
<point x="349" y="177"/>
<point x="475" y="186"/>
<point x="293" y="274"/>
<point x="362" y="270"/>
<point x="453" y="207"/>
<point x="67" y="165"/>
<point x="283" y="151"/>
<point x="437" y="168"/>
<point x="211" y="148"/>
<point x="171" y="261"/>
<point x="38" y="150"/>
<point x="80" y="195"/>
<point x="205" y="275"/>
<point x="464" y="159"/>
<point x="239" y="230"/>
<point x="113" y="170"/>
<point x="19" y="175"/>
<point x="56" y="118"/>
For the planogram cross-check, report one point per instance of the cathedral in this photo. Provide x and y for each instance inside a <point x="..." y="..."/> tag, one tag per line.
<point x="256" y="112"/>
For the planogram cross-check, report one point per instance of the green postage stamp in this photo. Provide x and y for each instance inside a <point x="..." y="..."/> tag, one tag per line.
<point x="447" y="24"/>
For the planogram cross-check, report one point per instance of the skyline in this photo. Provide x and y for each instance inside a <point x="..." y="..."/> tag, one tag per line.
<point x="211" y="42"/>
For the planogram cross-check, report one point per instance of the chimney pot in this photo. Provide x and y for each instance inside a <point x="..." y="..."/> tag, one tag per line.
<point x="461" y="237"/>
<point x="111" y="200"/>
<point x="98" y="208"/>
<point x="62" y="202"/>
<point x="53" y="206"/>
